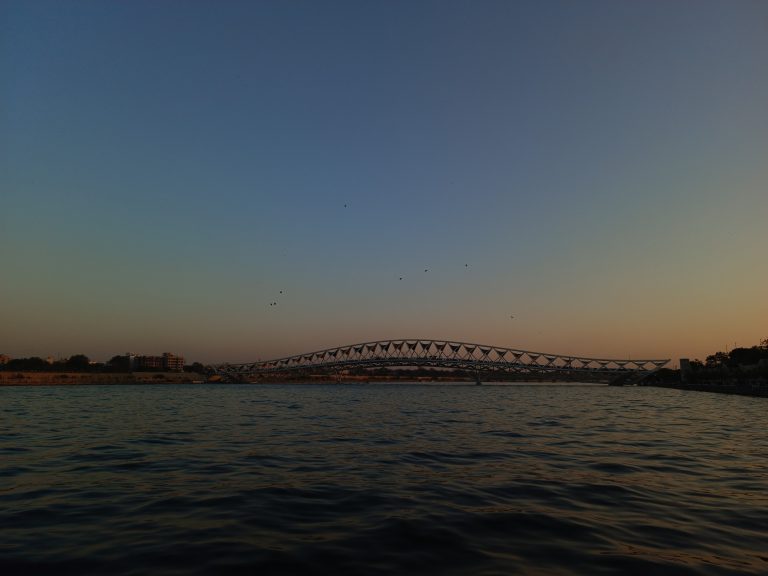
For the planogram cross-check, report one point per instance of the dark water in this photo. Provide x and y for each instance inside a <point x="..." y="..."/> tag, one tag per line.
<point x="381" y="479"/>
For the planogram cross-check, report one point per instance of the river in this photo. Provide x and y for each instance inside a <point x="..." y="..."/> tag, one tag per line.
<point x="381" y="479"/>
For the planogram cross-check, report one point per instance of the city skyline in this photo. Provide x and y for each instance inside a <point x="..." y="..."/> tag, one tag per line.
<point x="247" y="181"/>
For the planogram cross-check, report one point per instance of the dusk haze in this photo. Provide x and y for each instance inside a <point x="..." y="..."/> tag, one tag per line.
<point x="469" y="287"/>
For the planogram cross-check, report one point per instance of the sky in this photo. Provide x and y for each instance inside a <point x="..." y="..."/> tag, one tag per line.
<point x="586" y="178"/>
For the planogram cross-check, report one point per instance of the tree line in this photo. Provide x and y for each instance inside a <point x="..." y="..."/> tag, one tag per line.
<point x="739" y="364"/>
<point x="81" y="363"/>
<point x="735" y="359"/>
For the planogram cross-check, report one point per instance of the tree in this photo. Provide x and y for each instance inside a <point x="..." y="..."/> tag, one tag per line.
<point x="744" y="356"/>
<point x="118" y="363"/>
<point x="717" y="359"/>
<point x="33" y="363"/>
<point x="78" y="363"/>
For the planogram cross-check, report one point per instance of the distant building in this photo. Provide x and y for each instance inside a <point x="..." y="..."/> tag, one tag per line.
<point x="167" y="362"/>
<point x="4" y="359"/>
<point x="172" y="362"/>
<point x="149" y="362"/>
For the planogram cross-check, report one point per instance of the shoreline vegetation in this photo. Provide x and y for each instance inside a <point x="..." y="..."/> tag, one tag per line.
<point x="79" y="369"/>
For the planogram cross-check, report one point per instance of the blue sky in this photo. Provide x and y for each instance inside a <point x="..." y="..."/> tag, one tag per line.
<point x="595" y="169"/>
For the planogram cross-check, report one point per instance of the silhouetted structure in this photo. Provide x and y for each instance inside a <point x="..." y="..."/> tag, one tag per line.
<point x="443" y="354"/>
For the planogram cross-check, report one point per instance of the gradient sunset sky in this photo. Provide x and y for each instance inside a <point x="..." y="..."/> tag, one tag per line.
<point x="598" y="170"/>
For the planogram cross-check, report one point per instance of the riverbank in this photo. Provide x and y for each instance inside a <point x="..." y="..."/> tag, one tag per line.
<point x="758" y="388"/>
<point x="76" y="378"/>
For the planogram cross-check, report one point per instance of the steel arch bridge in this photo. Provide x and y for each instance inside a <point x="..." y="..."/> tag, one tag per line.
<point x="476" y="358"/>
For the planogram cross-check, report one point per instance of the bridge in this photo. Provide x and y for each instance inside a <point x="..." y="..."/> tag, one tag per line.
<point x="478" y="359"/>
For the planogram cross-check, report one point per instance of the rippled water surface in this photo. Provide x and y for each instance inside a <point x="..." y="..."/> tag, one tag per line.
<point x="381" y="479"/>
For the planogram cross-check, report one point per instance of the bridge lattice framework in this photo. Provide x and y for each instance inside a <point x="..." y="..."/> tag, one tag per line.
<point x="439" y="354"/>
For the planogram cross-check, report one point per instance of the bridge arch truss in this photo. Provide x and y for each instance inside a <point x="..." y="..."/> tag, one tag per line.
<point x="438" y="354"/>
